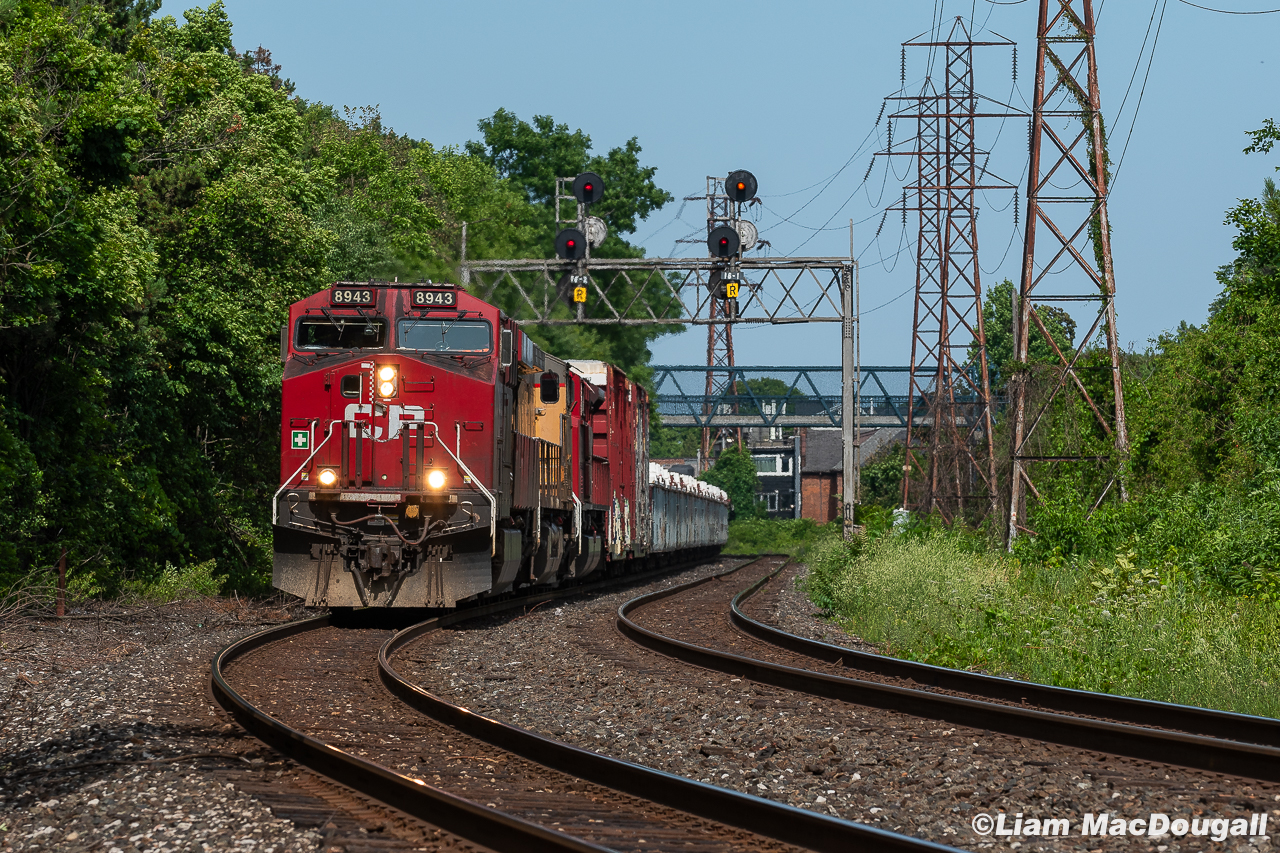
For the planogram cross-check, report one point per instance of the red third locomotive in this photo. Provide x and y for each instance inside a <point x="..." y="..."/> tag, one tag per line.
<point x="432" y="454"/>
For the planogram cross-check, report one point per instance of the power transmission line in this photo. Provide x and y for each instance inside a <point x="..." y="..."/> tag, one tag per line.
<point x="1227" y="11"/>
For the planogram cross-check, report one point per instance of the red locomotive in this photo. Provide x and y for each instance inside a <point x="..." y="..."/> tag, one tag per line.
<point x="431" y="454"/>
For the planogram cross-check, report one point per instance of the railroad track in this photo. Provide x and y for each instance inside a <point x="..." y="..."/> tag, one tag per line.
<point x="706" y="623"/>
<point x="331" y="698"/>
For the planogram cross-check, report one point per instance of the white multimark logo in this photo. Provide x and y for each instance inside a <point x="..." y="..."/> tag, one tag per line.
<point x="397" y="417"/>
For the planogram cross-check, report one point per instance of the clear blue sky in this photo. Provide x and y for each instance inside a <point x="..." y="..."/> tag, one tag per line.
<point x="791" y="91"/>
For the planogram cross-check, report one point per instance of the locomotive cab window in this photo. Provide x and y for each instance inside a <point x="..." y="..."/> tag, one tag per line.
<point x="341" y="333"/>
<point x="351" y="386"/>
<point x="452" y="336"/>
<point x="549" y="387"/>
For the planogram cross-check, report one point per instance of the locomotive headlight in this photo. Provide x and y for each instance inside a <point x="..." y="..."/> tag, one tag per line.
<point x="328" y="477"/>
<point x="386" y="381"/>
<point x="435" y="479"/>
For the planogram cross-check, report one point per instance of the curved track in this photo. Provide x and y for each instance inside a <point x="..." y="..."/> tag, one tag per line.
<point x="553" y="796"/>
<point x="684" y="627"/>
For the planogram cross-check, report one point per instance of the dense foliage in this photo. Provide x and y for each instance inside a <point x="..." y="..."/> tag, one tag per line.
<point x="163" y="199"/>
<point x="1204" y="417"/>
<point x="735" y="472"/>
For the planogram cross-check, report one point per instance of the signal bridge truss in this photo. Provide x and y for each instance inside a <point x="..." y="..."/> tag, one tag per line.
<point x="713" y="291"/>
<point x="662" y="291"/>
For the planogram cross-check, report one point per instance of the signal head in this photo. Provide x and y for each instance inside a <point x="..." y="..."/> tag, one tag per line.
<point x="723" y="242"/>
<point x="571" y="244"/>
<point x="740" y="185"/>
<point x="588" y="188"/>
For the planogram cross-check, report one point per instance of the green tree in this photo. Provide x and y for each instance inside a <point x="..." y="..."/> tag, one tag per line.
<point x="529" y="157"/>
<point x="532" y="156"/>
<point x="163" y="199"/>
<point x="881" y="477"/>
<point x="735" y="472"/>
<point x="997" y="320"/>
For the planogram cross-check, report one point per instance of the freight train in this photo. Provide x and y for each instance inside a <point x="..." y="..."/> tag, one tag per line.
<point x="432" y="454"/>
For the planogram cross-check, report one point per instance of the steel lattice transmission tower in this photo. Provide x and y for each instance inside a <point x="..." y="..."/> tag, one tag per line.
<point x="1072" y="412"/>
<point x="950" y="461"/>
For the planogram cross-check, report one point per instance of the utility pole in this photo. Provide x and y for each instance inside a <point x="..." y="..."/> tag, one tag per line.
<point x="950" y="457"/>
<point x="1061" y="414"/>
<point x="848" y="405"/>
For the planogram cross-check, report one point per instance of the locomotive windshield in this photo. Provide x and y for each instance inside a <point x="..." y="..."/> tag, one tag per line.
<point x="463" y="336"/>
<point x="341" y="333"/>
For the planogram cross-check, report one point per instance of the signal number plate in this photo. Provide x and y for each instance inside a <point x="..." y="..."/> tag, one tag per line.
<point x="434" y="299"/>
<point x="351" y="296"/>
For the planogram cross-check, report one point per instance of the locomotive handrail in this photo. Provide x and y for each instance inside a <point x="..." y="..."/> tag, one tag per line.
<point x="275" y="499"/>
<point x="493" y="504"/>
<point x="577" y="517"/>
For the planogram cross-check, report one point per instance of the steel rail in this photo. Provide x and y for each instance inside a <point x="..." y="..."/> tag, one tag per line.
<point x="1221" y="725"/>
<point x="1186" y="750"/>
<point x="754" y="814"/>
<point x="459" y="816"/>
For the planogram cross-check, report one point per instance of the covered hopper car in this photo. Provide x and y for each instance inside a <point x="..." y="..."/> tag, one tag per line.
<point x="432" y="454"/>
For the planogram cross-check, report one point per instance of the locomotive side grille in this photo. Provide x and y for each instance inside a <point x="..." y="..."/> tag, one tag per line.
<point x="551" y="479"/>
<point x="525" y="487"/>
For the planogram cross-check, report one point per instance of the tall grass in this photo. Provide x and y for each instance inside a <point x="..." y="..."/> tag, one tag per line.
<point x="1114" y="629"/>
<point x="793" y="536"/>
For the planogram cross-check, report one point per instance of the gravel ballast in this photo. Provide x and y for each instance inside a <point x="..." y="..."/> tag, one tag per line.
<point x="563" y="670"/>
<point x="93" y="710"/>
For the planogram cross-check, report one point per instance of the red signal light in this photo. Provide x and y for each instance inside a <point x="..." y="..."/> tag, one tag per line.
<point x="588" y="188"/>
<point x="723" y="242"/>
<point x="741" y="185"/>
<point x="571" y="244"/>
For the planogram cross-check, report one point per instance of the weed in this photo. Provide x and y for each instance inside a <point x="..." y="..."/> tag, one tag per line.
<point x="175" y="582"/>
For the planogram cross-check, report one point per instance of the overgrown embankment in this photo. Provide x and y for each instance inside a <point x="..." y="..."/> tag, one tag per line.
<point x="1113" y="628"/>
